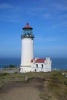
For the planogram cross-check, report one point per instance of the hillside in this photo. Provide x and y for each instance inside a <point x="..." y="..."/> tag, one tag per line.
<point x="33" y="86"/>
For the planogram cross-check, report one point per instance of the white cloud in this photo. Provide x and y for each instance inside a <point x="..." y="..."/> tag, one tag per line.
<point x="57" y="4"/>
<point x="10" y="18"/>
<point x="63" y="16"/>
<point x="59" y="24"/>
<point x="46" y="15"/>
<point x="5" y="6"/>
<point x="36" y="9"/>
<point x="60" y="6"/>
<point x="49" y="9"/>
<point x="12" y="14"/>
<point x="48" y="39"/>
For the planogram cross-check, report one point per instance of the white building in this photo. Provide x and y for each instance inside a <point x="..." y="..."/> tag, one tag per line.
<point x="28" y="63"/>
<point x="43" y="65"/>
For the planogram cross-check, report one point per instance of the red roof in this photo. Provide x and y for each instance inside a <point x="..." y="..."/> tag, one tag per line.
<point x="40" y="61"/>
<point x="27" y="26"/>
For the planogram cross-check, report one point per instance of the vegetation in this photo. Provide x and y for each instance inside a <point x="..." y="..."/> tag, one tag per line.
<point x="54" y="83"/>
<point x="57" y="86"/>
<point x="10" y="66"/>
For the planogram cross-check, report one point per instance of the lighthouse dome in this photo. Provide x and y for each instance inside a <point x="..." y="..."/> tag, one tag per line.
<point x="27" y="27"/>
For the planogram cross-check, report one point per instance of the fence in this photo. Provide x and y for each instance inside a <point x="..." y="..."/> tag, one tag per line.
<point x="9" y="70"/>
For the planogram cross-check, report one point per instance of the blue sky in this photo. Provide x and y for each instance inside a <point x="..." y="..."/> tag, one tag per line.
<point x="48" y="19"/>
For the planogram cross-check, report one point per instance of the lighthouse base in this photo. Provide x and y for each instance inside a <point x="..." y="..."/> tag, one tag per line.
<point x="24" y="69"/>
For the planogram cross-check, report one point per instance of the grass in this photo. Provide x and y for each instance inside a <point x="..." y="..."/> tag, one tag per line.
<point x="58" y="85"/>
<point x="54" y="83"/>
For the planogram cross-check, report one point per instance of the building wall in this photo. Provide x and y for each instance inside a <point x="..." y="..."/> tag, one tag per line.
<point x="48" y="64"/>
<point x="26" y="52"/>
<point x="44" y="68"/>
<point x="37" y="67"/>
<point x="25" y="69"/>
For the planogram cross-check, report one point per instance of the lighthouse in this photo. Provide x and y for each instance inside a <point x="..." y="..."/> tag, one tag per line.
<point x="27" y="52"/>
<point x="28" y="62"/>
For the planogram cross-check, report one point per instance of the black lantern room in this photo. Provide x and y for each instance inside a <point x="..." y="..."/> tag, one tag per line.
<point x="27" y="32"/>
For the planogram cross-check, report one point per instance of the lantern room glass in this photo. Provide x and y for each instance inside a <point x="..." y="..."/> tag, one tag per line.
<point x="27" y="31"/>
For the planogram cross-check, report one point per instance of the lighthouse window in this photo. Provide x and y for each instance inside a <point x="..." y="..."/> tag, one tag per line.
<point x="37" y="65"/>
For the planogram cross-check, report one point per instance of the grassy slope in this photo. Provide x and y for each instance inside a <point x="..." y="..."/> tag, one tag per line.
<point x="54" y="83"/>
<point x="56" y="87"/>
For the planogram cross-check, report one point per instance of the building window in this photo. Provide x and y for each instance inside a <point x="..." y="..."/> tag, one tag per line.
<point x="36" y="65"/>
<point x="42" y="66"/>
<point x="35" y="70"/>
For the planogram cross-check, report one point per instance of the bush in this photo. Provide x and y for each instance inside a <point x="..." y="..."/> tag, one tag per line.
<point x="3" y="74"/>
<point x="10" y="66"/>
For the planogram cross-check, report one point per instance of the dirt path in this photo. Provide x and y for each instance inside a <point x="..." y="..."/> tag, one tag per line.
<point x="21" y="91"/>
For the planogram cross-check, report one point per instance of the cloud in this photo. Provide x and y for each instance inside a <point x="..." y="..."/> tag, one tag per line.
<point x="56" y="4"/>
<point x="62" y="6"/>
<point x="63" y="16"/>
<point x="10" y="18"/>
<point x="46" y="15"/>
<point x="10" y="15"/>
<point x="59" y="24"/>
<point x="5" y="6"/>
<point x="36" y="9"/>
<point x="38" y="12"/>
<point x="49" y="9"/>
<point x="49" y="39"/>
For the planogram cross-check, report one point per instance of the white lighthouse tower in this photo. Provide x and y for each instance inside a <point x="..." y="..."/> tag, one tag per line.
<point x="27" y="53"/>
